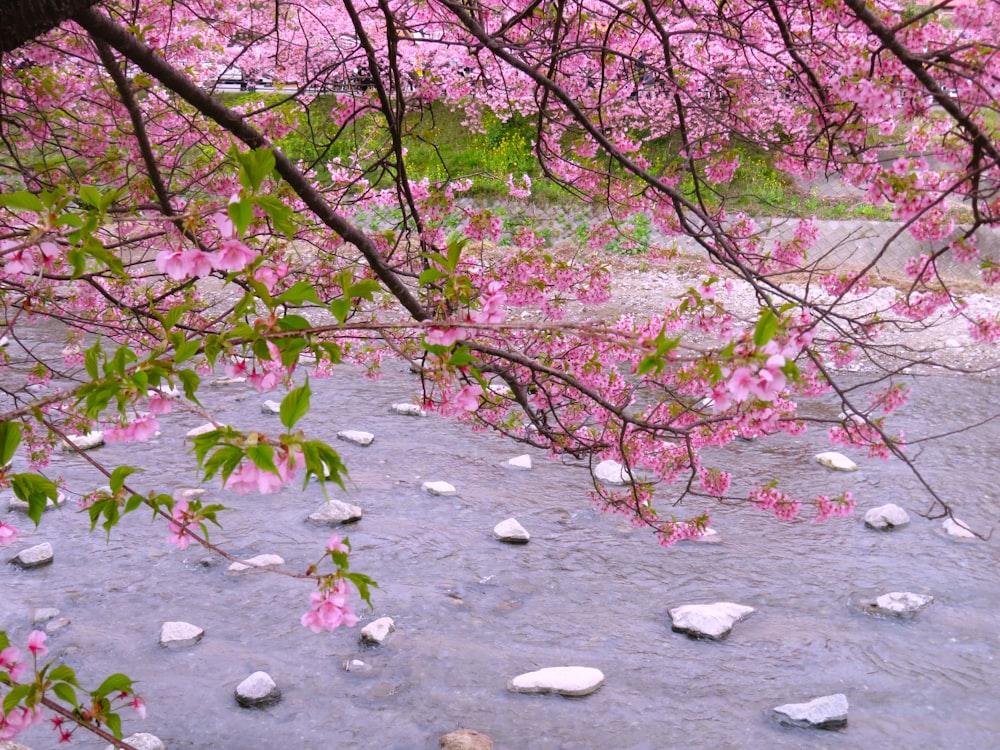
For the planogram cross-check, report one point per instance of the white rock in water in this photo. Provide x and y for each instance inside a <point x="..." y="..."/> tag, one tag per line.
<point x="142" y="741"/>
<point x="520" y="462"/>
<point x="886" y="517"/>
<point x="408" y="410"/>
<point x="335" y="512"/>
<point x="34" y="557"/>
<point x="612" y="472"/>
<point x="92" y="439"/>
<point x="16" y="503"/>
<point x="827" y="712"/>
<point x="511" y="531"/>
<point x="956" y="529"/>
<point x="257" y="690"/>
<point x="378" y="630"/>
<point x="228" y="381"/>
<point x="43" y="614"/>
<point x="898" y="604"/>
<point x="562" y="680"/>
<point x="4" y="341"/>
<point x="713" y="621"/>
<point x="465" y="739"/>
<point x="439" y="488"/>
<point x="270" y="407"/>
<point x="167" y="391"/>
<point x="837" y="461"/>
<point x="260" y="561"/>
<point x="708" y="536"/>
<point x="180" y="634"/>
<point x="358" y="437"/>
<point x="204" y="429"/>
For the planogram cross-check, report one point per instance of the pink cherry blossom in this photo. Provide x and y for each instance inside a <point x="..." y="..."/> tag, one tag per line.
<point x="159" y="404"/>
<point x="8" y="534"/>
<point x="232" y="255"/>
<point x="140" y="429"/>
<point x="330" y="608"/>
<point x="177" y="528"/>
<point x="248" y="478"/>
<point x="36" y="643"/>
<point x="9" y="662"/>
<point x="467" y="399"/>
<point x="442" y="336"/>
<point x="336" y="544"/>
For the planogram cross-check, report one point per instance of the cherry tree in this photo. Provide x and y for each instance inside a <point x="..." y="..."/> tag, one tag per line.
<point x="161" y="223"/>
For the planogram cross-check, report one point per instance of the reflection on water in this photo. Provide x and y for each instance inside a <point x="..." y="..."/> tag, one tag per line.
<point x="471" y="613"/>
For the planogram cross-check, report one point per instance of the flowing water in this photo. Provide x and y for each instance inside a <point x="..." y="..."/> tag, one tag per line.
<point x="587" y="590"/>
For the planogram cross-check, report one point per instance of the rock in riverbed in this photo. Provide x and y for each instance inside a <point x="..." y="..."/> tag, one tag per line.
<point x="712" y="621"/>
<point x="886" y="517"/>
<point x="827" y="712"/>
<point x="257" y="690"/>
<point x="574" y="681"/>
<point x="511" y="531"/>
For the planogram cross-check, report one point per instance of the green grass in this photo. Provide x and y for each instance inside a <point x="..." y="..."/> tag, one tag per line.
<point x="440" y="147"/>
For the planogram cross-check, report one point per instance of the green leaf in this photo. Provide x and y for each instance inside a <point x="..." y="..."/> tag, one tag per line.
<point x="294" y="323"/>
<point x="340" y="308"/>
<point x="133" y="502"/>
<point x="118" y="476"/>
<point x="10" y="438"/>
<point x="15" y="696"/>
<point x="364" y="289"/>
<point x="36" y="491"/>
<point x="189" y="382"/>
<point x="62" y="673"/>
<point x="241" y="214"/>
<point x="281" y="215"/>
<point x="65" y="693"/>
<point x="116" y="683"/>
<point x="91" y="359"/>
<point x="767" y="326"/>
<point x="224" y="460"/>
<point x="430" y="275"/>
<point x="295" y="405"/>
<point x="363" y="583"/>
<point x="300" y="291"/>
<point x="186" y="350"/>
<point x="255" y="165"/>
<point x="173" y="317"/>
<point x="262" y="456"/>
<point x="22" y="199"/>
<point x="115" y="725"/>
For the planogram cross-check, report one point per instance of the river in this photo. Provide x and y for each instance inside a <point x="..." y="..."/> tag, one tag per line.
<point x="587" y="590"/>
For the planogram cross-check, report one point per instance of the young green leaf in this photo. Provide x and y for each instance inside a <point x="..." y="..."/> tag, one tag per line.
<point x="10" y="438"/>
<point x="295" y="405"/>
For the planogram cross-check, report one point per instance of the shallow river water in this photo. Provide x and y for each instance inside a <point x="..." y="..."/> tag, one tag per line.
<point x="587" y="590"/>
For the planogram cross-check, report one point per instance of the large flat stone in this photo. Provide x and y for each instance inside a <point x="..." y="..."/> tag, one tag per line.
<point x="827" y="712"/>
<point x="712" y="621"/>
<point x="575" y="681"/>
